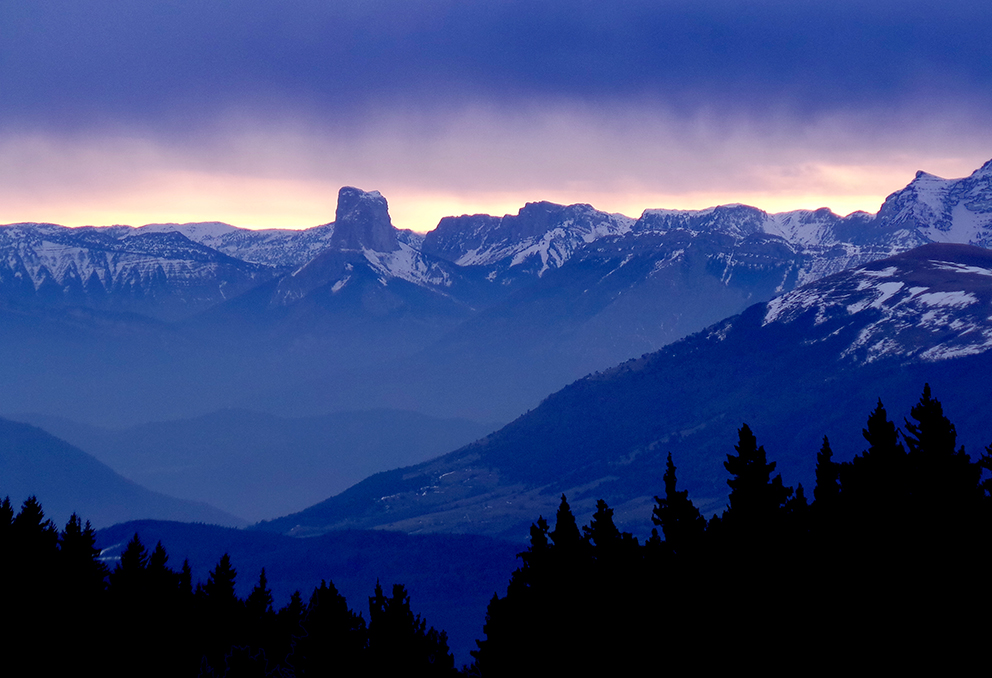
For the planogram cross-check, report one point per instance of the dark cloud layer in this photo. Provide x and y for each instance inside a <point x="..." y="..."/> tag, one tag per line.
<point x="70" y="64"/>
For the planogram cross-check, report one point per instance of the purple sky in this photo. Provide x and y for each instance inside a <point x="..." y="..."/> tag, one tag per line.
<point x="255" y="112"/>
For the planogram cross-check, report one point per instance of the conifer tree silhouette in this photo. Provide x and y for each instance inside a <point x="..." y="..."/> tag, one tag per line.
<point x="132" y="604"/>
<point x="219" y="589"/>
<point x="677" y="516"/>
<point x="941" y="475"/>
<point x="128" y="579"/>
<point x="535" y="558"/>
<point x="399" y="641"/>
<point x="566" y="535"/>
<point x="258" y="604"/>
<point x="875" y="484"/>
<point x="86" y="576"/>
<point x="827" y="487"/>
<point x="756" y="499"/>
<point x="602" y="531"/>
<point x="32" y="532"/>
<point x="334" y="639"/>
<point x="221" y="622"/>
<point x="259" y="623"/>
<point x="32" y="590"/>
<point x="289" y="619"/>
<point x="6" y="518"/>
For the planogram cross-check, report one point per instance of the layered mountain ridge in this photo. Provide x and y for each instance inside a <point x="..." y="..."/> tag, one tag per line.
<point x="540" y="237"/>
<point x="480" y="318"/>
<point x="809" y="363"/>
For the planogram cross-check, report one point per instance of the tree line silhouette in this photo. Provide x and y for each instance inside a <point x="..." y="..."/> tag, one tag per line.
<point x="63" y="605"/>
<point x="885" y="569"/>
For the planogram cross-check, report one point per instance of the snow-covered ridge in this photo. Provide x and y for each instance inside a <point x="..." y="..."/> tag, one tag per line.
<point x="54" y="254"/>
<point x="945" y="210"/>
<point x="407" y="263"/>
<point x="926" y="300"/>
<point x="540" y="236"/>
<point x="801" y="246"/>
<point x="279" y="248"/>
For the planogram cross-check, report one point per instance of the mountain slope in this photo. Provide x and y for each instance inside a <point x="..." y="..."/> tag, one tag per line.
<point x="812" y="362"/>
<point x="259" y="466"/>
<point x="67" y="480"/>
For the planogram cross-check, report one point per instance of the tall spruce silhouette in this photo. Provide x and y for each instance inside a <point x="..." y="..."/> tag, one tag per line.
<point x="679" y="519"/>
<point x="221" y="622"/>
<point x="566" y="535"/>
<point x="827" y="488"/>
<point x="85" y="575"/>
<point x="602" y="531"/>
<point x="400" y="642"/>
<point x="876" y="489"/>
<point x="940" y="474"/>
<point x="334" y="639"/>
<point x="756" y="498"/>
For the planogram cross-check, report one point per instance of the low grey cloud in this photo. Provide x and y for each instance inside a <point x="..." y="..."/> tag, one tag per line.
<point x="256" y="111"/>
<point x="65" y="64"/>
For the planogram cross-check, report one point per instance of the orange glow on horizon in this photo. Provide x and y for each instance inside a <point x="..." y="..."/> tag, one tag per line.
<point x="132" y="181"/>
<point x="259" y="203"/>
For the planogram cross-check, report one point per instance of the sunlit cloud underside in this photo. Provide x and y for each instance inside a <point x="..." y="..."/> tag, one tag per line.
<point x="286" y="174"/>
<point x="256" y="114"/>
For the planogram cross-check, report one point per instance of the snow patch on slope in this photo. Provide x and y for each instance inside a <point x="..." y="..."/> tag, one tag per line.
<point x="894" y="314"/>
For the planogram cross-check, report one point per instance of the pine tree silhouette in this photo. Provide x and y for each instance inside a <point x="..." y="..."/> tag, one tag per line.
<point x="940" y="475"/>
<point x="677" y="516"/>
<point x="334" y="639"/>
<point x="84" y="573"/>
<point x="756" y="499"/>
<point x="400" y="642"/>
<point x="602" y="531"/>
<point x="222" y="614"/>
<point x="258" y="604"/>
<point x="566" y="535"/>
<point x="827" y="488"/>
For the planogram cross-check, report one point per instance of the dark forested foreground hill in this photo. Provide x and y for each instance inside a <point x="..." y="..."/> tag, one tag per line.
<point x="801" y="367"/>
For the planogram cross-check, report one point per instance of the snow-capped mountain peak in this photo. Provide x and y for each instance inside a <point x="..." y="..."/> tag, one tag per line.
<point x="944" y="210"/>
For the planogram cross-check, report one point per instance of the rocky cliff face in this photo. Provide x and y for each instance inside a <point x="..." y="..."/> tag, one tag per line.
<point x="362" y="222"/>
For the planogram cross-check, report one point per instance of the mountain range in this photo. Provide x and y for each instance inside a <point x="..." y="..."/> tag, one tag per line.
<point x="200" y="344"/>
<point x="480" y="318"/>
<point x="809" y="363"/>
<point x="268" y="372"/>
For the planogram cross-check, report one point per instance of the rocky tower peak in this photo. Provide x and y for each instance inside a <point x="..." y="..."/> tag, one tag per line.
<point x="362" y="221"/>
